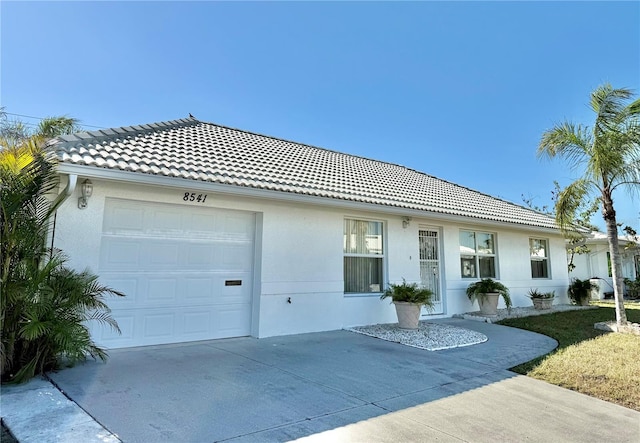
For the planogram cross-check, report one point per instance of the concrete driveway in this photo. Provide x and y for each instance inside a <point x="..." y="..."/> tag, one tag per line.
<point x="339" y="386"/>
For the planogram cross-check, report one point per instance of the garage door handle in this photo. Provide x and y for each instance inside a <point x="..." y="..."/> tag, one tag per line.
<point x="233" y="283"/>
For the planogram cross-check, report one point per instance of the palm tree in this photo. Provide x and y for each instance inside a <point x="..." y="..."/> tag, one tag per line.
<point x="608" y="157"/>
<point x="15" y="133"/>
<point x="27" y="177"/>
<point x="51" y="127"/>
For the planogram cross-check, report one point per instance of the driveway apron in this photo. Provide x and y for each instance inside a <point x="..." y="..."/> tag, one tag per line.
<point x="338" y="386"/>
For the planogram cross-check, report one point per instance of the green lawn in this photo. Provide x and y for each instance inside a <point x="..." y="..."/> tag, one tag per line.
<point x="597" y="363"/>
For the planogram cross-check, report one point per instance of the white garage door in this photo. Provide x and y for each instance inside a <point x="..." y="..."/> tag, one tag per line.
<point x="186" y="271"/>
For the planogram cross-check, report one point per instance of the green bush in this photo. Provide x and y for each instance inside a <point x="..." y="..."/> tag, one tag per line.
<point x="580" y="290"/>
<point x="46" y="323"/>
<point x="633" y="287"/>
<point x="44" y="306"/>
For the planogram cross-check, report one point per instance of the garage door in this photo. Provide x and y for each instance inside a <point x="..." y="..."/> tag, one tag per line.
<point x="186" y="271"/>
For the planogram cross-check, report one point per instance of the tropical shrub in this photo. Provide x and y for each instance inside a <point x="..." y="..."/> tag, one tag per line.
<point x="47" y="322"/>
<point x="409" y="293"/>
<point x="479" y="289"/>
<point x="534" y="293"/>
<point x="580" y="291"/>
<point x="44" y="305"/>
<point x="633" y="287"/>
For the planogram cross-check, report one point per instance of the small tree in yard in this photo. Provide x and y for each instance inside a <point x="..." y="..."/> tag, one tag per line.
<point x="608" y="157"/>
<point x="580" y="216"/>
<point x="43" y="304"/>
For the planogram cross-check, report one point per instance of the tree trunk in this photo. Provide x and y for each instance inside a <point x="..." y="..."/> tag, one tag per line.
<point x="616" y="260"/>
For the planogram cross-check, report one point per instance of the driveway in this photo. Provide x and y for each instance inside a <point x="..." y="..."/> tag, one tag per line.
<point x="339" y="386"/>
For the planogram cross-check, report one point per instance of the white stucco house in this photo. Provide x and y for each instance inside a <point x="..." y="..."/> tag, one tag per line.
<point x="596" y="264"/>
<point x="217" y="232"/>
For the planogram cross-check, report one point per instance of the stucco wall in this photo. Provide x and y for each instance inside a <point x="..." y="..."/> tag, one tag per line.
<point x="300" y="257"/>
<point x="513" y="267"/>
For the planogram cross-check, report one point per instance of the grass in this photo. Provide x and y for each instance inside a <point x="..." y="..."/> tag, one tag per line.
<point x="597" y="363"/>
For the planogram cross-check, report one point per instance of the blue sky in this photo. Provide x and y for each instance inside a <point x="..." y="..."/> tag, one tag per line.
<point x="459" y="90"/>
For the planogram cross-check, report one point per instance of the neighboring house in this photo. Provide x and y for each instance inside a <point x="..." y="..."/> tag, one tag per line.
<point x="596" y="264"/>
<point x="216" y="232"/>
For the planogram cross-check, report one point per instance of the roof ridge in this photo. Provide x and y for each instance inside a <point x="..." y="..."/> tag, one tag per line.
<point x="101" y="134"/>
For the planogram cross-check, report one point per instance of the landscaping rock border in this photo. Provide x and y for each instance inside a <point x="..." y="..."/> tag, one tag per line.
<point x="611" y="326"/>
<point x="519" y="312"/>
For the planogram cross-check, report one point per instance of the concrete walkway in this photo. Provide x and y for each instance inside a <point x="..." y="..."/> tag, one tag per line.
<point x="332" y="386"/>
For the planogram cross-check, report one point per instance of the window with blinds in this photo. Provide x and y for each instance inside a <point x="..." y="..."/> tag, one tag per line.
<point x="363" y="246"/>
<point x="539" y="258"/>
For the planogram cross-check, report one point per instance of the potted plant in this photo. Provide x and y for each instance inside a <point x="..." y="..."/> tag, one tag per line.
<point x="541" y="300"/>
<point x="409" y="299"/>
<point x="488" y="291"/>
<point x="632" y="287"/>
<point x="580" y="291"/>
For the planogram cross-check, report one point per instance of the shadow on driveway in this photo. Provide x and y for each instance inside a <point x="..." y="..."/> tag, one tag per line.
<point x="348" y="386"/>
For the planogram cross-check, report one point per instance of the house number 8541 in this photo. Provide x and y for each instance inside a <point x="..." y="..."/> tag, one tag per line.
<point x="193" y="197"/>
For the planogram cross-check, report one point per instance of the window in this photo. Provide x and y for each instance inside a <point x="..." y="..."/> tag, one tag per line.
<point x="477" y="254"/>
<point x="539" y="252"/>
<point x="363" y="256"/>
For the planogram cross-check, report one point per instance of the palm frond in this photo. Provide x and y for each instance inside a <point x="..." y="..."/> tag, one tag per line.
<point x="54" y="126"/>
<point x="568" y="141"/>
<point x="568" y="202"/>
<point x="609" y="104"/>
<point x="634" y="108"/>
<point x="106" y="319"/>
<point x="629" y="177"/>
<point x="27" y="371"/>
<point x="33" y="328"/>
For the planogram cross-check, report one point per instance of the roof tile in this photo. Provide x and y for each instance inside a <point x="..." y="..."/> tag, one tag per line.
<point x="196" y="150"/>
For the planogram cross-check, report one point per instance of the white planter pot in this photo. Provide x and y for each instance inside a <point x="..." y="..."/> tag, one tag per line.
<point x="542" y="303"/>
<point x="408" y="314"/>
<point x="489" y="303"/>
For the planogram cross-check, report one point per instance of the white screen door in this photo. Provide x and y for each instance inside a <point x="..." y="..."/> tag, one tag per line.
<point x="430" y="265"/>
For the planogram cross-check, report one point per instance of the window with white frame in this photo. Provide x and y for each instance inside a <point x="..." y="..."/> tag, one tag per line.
<point x="477" y="254"/>
<point x="539" y="252"/>
<point x="363" y="256"/>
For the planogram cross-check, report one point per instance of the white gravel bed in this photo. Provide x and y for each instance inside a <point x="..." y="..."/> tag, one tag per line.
<point x="429" y="336"/>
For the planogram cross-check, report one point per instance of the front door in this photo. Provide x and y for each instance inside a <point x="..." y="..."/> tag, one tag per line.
<point x="430" y="265"/>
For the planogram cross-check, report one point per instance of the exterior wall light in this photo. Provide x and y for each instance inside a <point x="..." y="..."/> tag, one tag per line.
<point x="405" y="222"/>
<point x="87" y="190"/>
